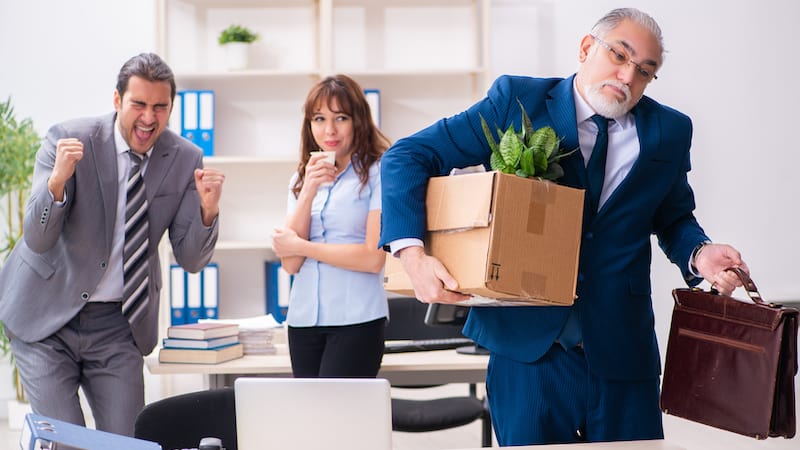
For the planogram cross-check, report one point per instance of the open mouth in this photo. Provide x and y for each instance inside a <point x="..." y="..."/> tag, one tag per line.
<point x="144" y="134"/>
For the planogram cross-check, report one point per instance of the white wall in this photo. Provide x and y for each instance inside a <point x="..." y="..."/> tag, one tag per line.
<point x="59" y="59"/>
<point x="728" y="66"/>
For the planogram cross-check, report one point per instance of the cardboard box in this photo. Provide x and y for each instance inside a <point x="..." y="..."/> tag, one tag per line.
<point x="502" y="237"/>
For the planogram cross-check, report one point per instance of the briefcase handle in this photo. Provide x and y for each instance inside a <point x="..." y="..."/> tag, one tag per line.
<point x="748" y="284"/>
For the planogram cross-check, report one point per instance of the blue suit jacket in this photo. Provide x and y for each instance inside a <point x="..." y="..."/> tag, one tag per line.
<point x="613" y="288"/>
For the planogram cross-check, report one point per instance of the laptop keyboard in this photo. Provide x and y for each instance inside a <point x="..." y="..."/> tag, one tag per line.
<point x="421" y="345"/>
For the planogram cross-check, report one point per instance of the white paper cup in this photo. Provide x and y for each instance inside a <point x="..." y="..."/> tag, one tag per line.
<point x="329" y="157"/>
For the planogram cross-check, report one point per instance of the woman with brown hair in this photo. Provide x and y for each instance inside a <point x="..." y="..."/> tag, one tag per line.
<point x="337" y="308"/>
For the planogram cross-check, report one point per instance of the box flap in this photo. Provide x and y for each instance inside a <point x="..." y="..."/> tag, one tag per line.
<point x="459" y="201"/>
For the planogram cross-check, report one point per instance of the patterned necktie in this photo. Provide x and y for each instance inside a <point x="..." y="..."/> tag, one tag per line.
<point x="597" y="162"/>
<point x="134" y="254"/>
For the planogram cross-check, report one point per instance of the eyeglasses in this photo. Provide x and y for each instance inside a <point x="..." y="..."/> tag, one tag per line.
<point x="620" y="57"/>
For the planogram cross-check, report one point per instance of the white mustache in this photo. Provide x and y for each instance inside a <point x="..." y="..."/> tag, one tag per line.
<point x="621" y="86"/>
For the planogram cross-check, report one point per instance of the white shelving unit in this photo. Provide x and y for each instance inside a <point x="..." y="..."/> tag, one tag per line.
<point x="428" y="59"/>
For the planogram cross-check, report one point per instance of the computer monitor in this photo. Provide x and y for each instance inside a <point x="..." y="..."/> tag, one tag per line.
<point x="439" y="314"/>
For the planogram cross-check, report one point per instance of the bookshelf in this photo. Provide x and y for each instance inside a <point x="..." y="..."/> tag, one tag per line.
<point x="428" y="59"/>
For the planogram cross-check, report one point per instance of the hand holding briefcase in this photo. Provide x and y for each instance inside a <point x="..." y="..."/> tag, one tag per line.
<point x="731" y="364"/>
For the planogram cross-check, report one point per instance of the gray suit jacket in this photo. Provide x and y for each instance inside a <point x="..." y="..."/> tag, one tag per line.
<point x="55" y="269"/>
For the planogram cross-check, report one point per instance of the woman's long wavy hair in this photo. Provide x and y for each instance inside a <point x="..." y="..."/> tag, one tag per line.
<point x="369" y="142"/>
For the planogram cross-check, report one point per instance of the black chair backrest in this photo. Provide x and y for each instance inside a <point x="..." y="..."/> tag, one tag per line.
<point x="182" y="420"/>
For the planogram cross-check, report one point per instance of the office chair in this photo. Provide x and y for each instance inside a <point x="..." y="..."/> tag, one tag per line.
<point x="183" y="420"/>
<point x="406" y="321"/>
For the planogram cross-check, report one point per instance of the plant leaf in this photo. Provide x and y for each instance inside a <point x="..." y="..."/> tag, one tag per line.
<point x="488" y="134"/>
<point x="554" y="172"/>
<point x="557" y="156"/>
<point x="527" y="126"/>
<point x="496" y="161"/>
<point x="539" y="162"/>
<point x="545" y="141"/>
<point x="526" y="162"/>
<point x="510" y="148"/>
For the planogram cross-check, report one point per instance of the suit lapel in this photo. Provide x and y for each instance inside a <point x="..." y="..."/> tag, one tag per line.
<point x="103" y="151"/>
<point x="649" y="135"/>
<point x="561" y="108"/>
<point x="161" y="159"/>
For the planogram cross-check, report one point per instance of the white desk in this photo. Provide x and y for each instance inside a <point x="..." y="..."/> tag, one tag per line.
<point x="413" y="368"/>
<point x="623" y="445"/>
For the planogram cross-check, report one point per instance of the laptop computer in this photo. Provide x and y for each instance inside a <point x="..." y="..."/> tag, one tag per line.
<point x="313" y="414"/>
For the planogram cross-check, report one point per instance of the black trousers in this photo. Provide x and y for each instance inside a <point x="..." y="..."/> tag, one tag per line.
<point x="349" y="351"/>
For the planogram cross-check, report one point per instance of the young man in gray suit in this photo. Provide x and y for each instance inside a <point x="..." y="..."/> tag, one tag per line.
<point x="589" y="372"/>
<point x="79" y="293"/>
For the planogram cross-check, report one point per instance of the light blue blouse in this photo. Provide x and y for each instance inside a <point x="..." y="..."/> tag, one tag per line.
<point x="324" y="295"/>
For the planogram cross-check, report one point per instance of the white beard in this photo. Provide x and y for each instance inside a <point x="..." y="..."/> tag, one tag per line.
<point x="605" y="107"/>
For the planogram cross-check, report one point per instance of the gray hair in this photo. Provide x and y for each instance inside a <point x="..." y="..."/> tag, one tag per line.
<point x="616" y="16"/>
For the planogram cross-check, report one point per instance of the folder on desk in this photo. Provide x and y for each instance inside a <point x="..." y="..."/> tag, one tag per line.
<point x="197" y="118"/>
<point x="40" y="433"/>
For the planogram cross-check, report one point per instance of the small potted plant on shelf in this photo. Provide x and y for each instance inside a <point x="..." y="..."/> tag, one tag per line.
<point x="18" y="145"/>
<point x="236" y="40"/>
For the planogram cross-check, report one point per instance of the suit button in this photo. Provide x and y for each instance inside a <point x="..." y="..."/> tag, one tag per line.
<point x="103" y="265"/>
<point x="85" y="295"/>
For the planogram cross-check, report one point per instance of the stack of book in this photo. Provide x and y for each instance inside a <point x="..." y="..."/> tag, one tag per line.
<point x="255" y="333"/>
<point x="201" y="343"/>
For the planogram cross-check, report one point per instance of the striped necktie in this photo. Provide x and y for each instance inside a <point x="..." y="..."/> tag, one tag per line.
<point x="134" y="254"/>
<point x="596" y="169"/>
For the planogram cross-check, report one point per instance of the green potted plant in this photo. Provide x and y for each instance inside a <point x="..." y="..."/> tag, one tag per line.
<point x="236" y="40"/>
<point x="527" y="153"/>
<point x="18" y="145"/>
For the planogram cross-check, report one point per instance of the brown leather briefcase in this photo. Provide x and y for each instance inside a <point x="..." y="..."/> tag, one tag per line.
<point x="731" y="364"/>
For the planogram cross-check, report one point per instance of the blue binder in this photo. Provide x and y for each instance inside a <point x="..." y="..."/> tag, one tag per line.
<point x="374" y="100"/>
<point x="193" y="296"/>
<point x="210" y="299"/>
<point x="197" y="118"/>
<point x="278" y="284"/>
<point x="177" y="295"/>
<point x="40" y="432"/>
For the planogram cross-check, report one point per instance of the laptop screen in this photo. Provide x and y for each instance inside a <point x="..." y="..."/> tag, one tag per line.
<point x="313" y="414"/>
